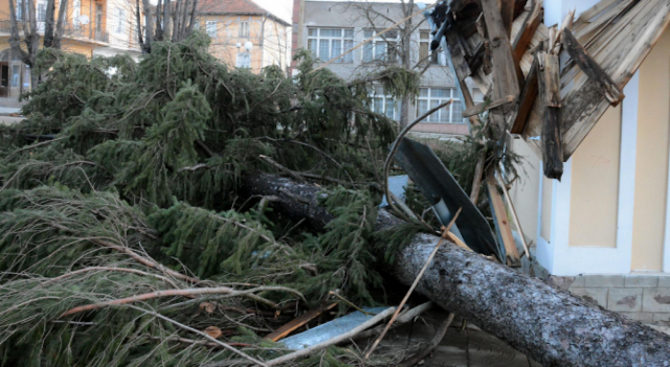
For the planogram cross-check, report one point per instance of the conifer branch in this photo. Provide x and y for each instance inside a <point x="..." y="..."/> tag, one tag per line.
<point x="195" y="331"/>
<point x="229" y="292"/>
<point x="111" y="269"/>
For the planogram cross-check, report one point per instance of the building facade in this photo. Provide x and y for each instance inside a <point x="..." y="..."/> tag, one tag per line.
<point x="244" y="34"/>
<point x="86" y="31"/>
<point x="603" y="231"/>
<point x="329" y="29"/>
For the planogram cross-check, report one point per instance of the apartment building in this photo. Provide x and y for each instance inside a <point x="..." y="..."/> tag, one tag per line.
<point x="92" y="27"/>
<point x="329" y="29"/>
<point x="244" y="34"/>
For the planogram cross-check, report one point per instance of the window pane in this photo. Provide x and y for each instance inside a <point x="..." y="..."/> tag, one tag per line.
<point x="389" y="107"/>
<point x="368" y="33"/>
<point x="312" y="32"/>
<point x="423" y="107"/>
<point x="391" y="34"/>
<point x="444" y="114"/>
<point x="435" y="117"/>
<point x="16" y="71"/>
<point x="211" y="29"/>
<point x="423" y="92"/>
<point x="324" y="46"/>
<point x="349" y="33"/>
<point x="337" y="48"/>
<point x="379" y="105"/>
<point x="367" y="52"/>
<point x="350" y="56"/>
<point x="423" y="50"/>
<point x="380" y="49"/>
<point x="311" y="45"/>
<point x="456" y="112"/>
<point x="391" y="51"/>
<point x="440" y="92"/>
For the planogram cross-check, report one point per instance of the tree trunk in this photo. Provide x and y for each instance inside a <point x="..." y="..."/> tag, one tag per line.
<point x="60" y="24"/>
<point x="547" y="324"/>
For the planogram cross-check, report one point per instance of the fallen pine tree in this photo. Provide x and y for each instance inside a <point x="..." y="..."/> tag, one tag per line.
<point x="547" y="324"/>
<point x="126" y="238"/>
<point x="133" y="230"/>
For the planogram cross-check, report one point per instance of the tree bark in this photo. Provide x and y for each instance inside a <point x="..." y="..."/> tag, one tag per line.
<point x="60" y="24"/>
<point x="547" y="324"/>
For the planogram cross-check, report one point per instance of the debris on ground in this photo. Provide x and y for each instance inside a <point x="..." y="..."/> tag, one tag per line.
<point x="181" y="213"/>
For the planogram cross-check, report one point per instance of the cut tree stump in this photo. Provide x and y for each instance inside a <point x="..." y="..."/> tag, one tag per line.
<point x="549" y="325"/>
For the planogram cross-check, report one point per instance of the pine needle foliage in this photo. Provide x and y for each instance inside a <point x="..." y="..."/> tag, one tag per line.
<point x="125" y="181"/>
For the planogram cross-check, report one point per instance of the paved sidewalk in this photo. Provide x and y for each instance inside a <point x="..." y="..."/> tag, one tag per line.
<point x="469" y="347"/>
<point x="6" y="111"/>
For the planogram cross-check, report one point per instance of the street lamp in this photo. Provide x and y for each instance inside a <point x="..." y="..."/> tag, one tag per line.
<point x="244" y="59"/>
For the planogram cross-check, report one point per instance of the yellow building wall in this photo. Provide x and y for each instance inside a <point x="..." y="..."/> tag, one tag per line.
<point x="651" y="165"/>
<point x="87" y="8"/>
<point x="261" y="35"/>
<point x="594" y="190"/>
<point x="84" y="48"/>
<point x="525" y="190"/>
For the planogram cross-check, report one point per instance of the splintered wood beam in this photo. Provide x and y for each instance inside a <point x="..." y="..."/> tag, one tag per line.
<point x="525" y="36"/>
<point x="502" y="223"/>
<point x="477" y="58"/>
<point x="591" y="68"/>
<point x="507" y="14"/>
<point x="479" y="108"/>
<point x="486" y="56"/>
<point x="457" y="54"/>
<point x="505" y="80"/>
<point x="549" y="92"/>
<point x="526" y="100"/>
<point x="300" y="321"/>
<point x="469" y="103"/>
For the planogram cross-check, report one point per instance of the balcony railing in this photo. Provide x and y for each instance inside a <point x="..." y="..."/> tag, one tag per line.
<point x="76" y="31"/>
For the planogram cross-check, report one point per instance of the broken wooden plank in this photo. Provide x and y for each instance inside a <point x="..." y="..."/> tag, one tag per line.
<point x="525" y="36"/>
<point x="504" y="74"/>
<point x="591" y="68"/>
<point x="507" y="15"/>
<point x="479" y="108"/>
<point x="526" y="100"/>
<point x="502" y="223"/>
<point x="300" y="321"/>
<point x="549" y="91"/>
<point x="505" y="78"/>
<point x="551" y="70"/>
<point x="457" y="54"/>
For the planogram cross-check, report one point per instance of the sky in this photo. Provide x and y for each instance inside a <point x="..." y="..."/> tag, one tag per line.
<point x="283" y="8"/>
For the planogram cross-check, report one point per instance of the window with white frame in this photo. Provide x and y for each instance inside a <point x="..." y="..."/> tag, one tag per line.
<point x="41" y="12"/>
<point x="211" y="28"/>
<point x="41" y="15"/>
<point x="328" y="43"/>
<point x="382" y="48"/>
<point x="243" y="60"/>
<point x="384" y="104"/>
<point x="244" y="29"/>
<point x="424" y="48"/>
<point x="433" y="97"/>
<point x="19" y="10"/>
<point x="76" y="12"/>
<point x="119" y="21"/>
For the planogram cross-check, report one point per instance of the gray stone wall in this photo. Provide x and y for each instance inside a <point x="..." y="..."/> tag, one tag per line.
<point x="641" y="297"/>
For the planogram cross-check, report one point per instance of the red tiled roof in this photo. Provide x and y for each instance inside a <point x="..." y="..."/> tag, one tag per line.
<point x="241" y="7"/>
